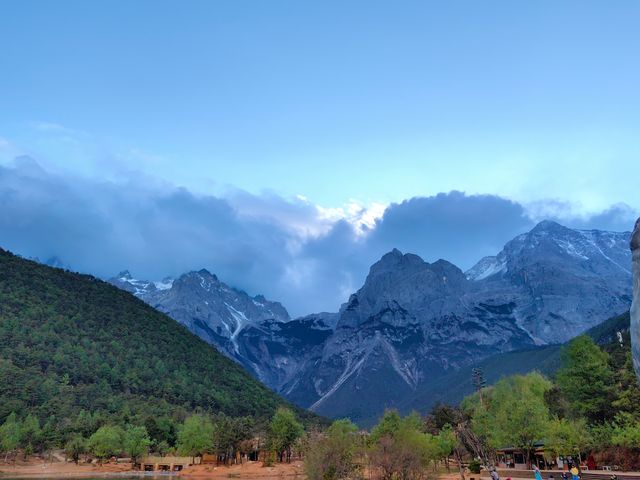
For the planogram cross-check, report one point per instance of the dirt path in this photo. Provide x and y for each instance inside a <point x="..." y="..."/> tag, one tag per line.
<point x="248" y="470"/>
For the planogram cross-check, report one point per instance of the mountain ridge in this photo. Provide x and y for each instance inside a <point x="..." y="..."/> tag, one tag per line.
<point x="413" y="322"/>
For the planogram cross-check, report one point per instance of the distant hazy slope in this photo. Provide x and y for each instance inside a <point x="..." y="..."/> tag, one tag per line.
<point x="70" y="341"/>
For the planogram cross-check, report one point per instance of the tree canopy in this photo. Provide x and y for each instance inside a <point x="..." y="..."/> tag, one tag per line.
<point x="284" y="430"/>
<point x="586" y="380"/>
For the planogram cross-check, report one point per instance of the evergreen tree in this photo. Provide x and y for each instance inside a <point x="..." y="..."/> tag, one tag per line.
<point x="75" y="447"/>
<point x="30" y="435"/>
<point x="10" y="434"/>
<point x="50" y="436"/>
<point x="586" y="380"/>
<point x="627" y="390"/>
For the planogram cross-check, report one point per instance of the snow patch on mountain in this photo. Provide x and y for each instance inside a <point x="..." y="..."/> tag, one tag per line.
<point x="486" y="267"/>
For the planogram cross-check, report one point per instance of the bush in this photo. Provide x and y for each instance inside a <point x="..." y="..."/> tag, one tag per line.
<point x="331" y="456"/>
<point x="474" y="466"/>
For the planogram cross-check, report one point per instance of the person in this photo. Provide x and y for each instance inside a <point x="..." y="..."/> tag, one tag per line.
<point x="575" y="473"/>
<point x="536" y="472"/>
<point x="494" y="474"/>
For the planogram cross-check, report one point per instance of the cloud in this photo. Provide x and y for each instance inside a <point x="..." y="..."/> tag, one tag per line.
<point x="309" y="257"/>
<point x="454" y="226"/>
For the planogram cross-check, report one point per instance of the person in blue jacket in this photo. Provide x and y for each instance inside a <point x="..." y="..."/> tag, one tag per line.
<point x="536" y="472"/>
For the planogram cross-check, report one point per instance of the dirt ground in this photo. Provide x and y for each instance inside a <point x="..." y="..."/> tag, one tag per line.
<point x="36" y="468"/>
<point x="248" y="470"/>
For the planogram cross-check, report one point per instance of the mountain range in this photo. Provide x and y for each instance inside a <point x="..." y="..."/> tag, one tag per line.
<point x="413" y="324"/>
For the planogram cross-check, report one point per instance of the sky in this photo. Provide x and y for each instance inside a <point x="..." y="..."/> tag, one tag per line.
<point x="287" y="145"/>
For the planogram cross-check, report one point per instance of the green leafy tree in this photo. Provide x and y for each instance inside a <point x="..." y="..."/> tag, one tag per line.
<point x="332" y="456"/>
<point x="446" y="441"/>
<point x="10" y="433"/>
<point x="477" y="431"/>
<point x="516" y="414"/>
<point x="195" y="436"/>
<point x="388" y="425"/>
<point x="600" y="436"/>
<point x="626" y="432"/>
<point x="586" y="380"/>
<point x="566" y="438"/>
<point x="136" y="442"/>
<point x="75" y="447"/>
<point x="106" y="442"/>
<point x="401" y="449"/>
<point x="284" y="430"/>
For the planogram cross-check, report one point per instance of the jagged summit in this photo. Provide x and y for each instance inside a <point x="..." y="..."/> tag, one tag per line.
<point x="548" y="225"/>
<point x="256" y="332"/>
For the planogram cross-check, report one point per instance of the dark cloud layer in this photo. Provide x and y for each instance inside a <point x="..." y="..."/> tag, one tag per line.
<point x="284" y="249"/>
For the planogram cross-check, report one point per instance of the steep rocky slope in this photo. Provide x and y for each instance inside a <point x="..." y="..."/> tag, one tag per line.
<point x="254" y="331"/>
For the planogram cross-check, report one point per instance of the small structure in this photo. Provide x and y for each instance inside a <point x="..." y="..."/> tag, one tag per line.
<point x="511" y="457"/>
<point x="167" y="464"/>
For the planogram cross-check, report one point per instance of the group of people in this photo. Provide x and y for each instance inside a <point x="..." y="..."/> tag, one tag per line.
<point x="575" y="474"/>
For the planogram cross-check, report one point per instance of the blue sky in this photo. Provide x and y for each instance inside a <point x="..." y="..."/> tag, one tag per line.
<point x="332" y="109"/>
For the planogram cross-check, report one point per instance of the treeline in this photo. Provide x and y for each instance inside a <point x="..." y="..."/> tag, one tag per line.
<point x="77" y="353"/>
<point x="220" y="435"/>
<point x="590" y="406"/>
<point x="397" y="448"/>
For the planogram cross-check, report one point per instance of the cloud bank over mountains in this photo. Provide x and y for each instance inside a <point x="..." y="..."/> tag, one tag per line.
<point x="291" y="250"/>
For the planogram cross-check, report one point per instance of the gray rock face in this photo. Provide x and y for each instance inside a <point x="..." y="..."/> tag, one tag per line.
<point x="635" y="306"/>
<point x="563" y="281"/>
<point x="251" y="330"/>
<point x="413" y="322"/>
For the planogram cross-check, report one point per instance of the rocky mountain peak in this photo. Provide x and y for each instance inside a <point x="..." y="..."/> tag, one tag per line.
<point x="548" y="226"/>
<point x="125" y="275"/>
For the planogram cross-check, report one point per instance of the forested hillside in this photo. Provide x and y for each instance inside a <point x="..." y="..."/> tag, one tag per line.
<point x="73" y="347"/>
